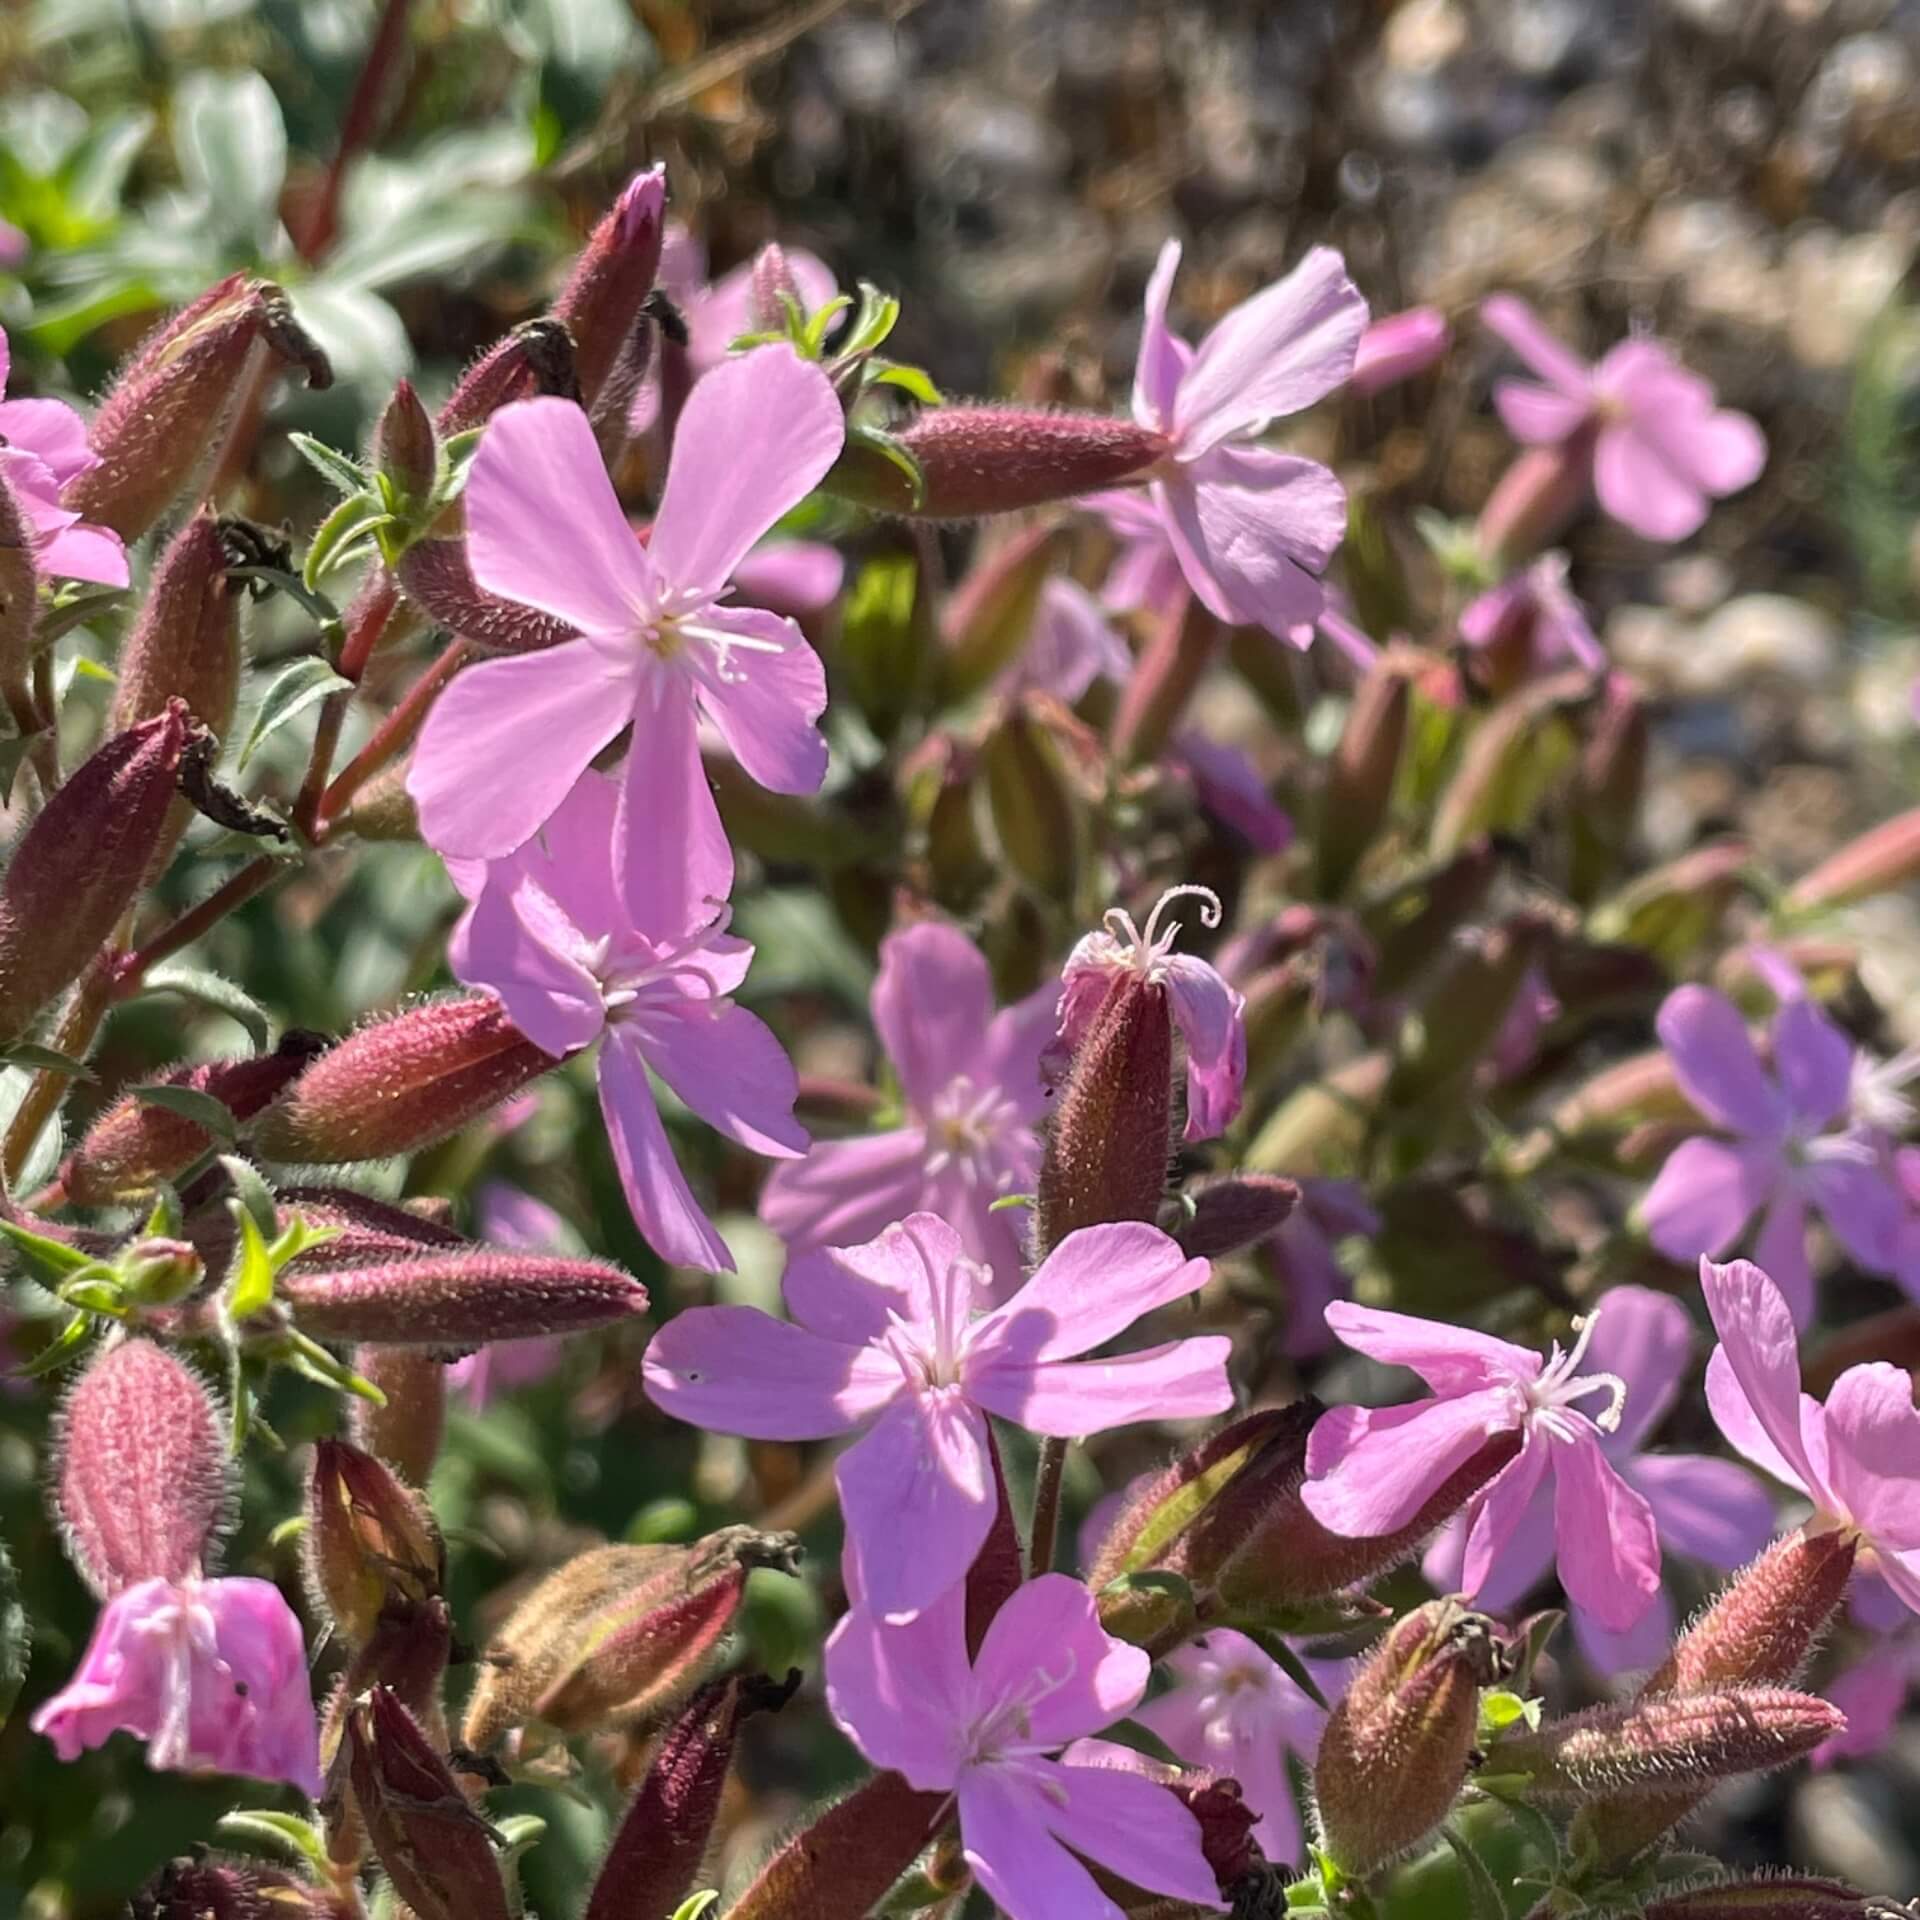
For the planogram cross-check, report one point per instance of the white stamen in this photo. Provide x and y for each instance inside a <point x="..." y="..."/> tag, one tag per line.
<point x="1147" y="950"/>
<point x="1561" y="1383"/>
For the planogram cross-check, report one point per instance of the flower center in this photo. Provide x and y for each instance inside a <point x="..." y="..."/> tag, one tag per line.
<point x="1147" y="952"/>
<point x="625" y="979"/>
<point x="1875" y="1092"/>
<point x="1550" y="1397"/>
<point x="930" y="1353"/>
<point x="964" y="1125"/>
<point x="1007" y="1727"/>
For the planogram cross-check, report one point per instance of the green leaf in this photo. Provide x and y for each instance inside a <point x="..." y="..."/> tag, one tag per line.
<point x="324" y="613"/>
<point x="890" y="450"/>
<point x="231" y="144"/>
<point x="165" y="1218"/>
<point x="55" y="1354"/>
<point x="310" y="1358"/>
<point x="353" y="522"/>
<point x="76" y="608"/>
<point x="300" y="686"/>
<point x="16" y="1637"/>
<point x="695" y="1904"/>
<point x="816" y="327"/>
<point x="250" y="1186"/>
<point x="339" y="470"/>
<point x="215" y="991"/>
<point x="250" y="1284"/>
<point x="878" y="315"/>
<point x="1483" y="1893"/>
<point x="23" y="1053"/>
<point x="261" y="1831"/>
<point x="1289" y="1663"/>
<point x="1007" y="1200"/>
<point x="212" y="1116"/>
<point x="1500" y="1708"/>
<point x="913" y="380"/>
<point x="97" y="1292"/>
<point x="43" y="1258"/>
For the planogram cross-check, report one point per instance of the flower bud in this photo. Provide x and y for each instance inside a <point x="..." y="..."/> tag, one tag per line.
<point x="1668" y="1741"/>
<point x="1362" y="773"/>
<point x="134" y="1145"/>
<point x="437" y="578"/>
<point x="1882" y="859"/>
<point x="602" y="301"/>
<point x="770" y="285"/>
<point x="1035" y="817"/>
<point x="142" y="1473"/>
<point x="1673" y="910"/>
<point x="1412" y="924"/>
<point x="371" y="1548"/>
<point x="1397" y="1749"/>
<point x="990" y="614"/>
<point x="1786" y="1896"/>
<point x="156" y="1272"/>
<point x="1159" y="689"/>
<point x="1111" y="1130"/>
<point x="1607" y="789"/>
<point x="618" y="1636"/>
<point x="977" y="460"/>
<point x="407" y="1430"/>
<point x="208" y="1887"/>
<point x="1511" y="760"/>
<point x="83" y="863"/>
<point x="383" y="809"/>
<point x="847" y="1857"/>
<point x="1399" y="347"/>
<point x="405" y="452"/>
<point x="402" y="1082"/>
<point x="186" y="642"/>
<point x="1461" y="1014"/>
<point x="437" y="1851"/>
<point x="661" y="1841"/>
<point x="1532" y="501"/>
<point x="163" y="419"/>
<point x="1642" y="1087"/>
<point x="535" y="358"/>
<point x="1234" y="1213"/>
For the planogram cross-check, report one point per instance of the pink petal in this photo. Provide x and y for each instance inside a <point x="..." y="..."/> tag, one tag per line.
<point x="84" y="552"/>
<point x="1025" y="1871"/>
<point x="1094" y="1285"/>
<point x="1183" y="1380"/>
<point x="548" y="995"/>
<point x="1901" y="1573"/>
<point x="675" y="866"/>
<point x="1873" y="1445"/>
<point x="1609" y="1547"/>
<point x="1071" y="645"/>
<point x="728" y="1068"/>
<point x="791" y="576"/>
<point x="932" y="1002"/>
<point x="1704" y="1195"/>
<point x="1051" y="1626"/>
<point x="845" y="1190"/>
<point x="1647" y="1339"/>
<point x="755" y="437"/>
<point x="1539" y="416"/>
<point x="1753" y="1379"/>
<point x="1229" y="786"/>
<point x="1634" y="482"/>
<point x="1163" y="355"/>
<point x="918" y="1494"/>
<point x="1501" y="1511"/>
<point x="1871" y="1693"/>
<point x="1520" y="327"/>
<point x="664" y="1208"/>
<point x="1016" y="1039"/>
<point x="1132" y="1826"/>
<point x="51" y="431"/>
<point x="1450" y="1359"/>
<point x="738" y="1370"/>
<point x="764" y="704"/>
<point x="1211" y="1017"/>
<point x="1399" y="347"/>
<point x="1673" y="411"/>
<point x="1813" y="1060"/>
<point x="543" y="526"/>
<point x="1728" y="451"/>
<point x="1707" y="1510"/>
<point x="841" y="1295"/>
<point x="900" y="1693"/>
<point x="1522" y="1563"/>
<point x="1637" y="1650"/>
<point x="1274" y="354"/>
<point x="1780" y="1250"/>
<point x="1865" y="1213"/>
<point x="1715" y="1063"/>
<point x="507" y="741"/>
<point x="262" y="1661"/>
<point x="1371" y="1470"/>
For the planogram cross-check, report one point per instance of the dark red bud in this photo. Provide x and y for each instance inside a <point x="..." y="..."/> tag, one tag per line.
<point x="535" y="358"/>
<point x="1158" y="691"/>
<point x="407" y="1430"/>
<point x="405" y="453"/>
<point x="371" y="1549"/>
<point x="602" y="300"/>
<point x="1231" y="1214"/>
<point x="847" y="1857"/>
<point x="436" y="577"/>
<point x="186" y="642"/>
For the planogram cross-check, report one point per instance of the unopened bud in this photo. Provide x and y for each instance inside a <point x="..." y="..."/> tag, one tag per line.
<point x="1035" y="818"/>
<point x="186" y="643"/>
<point x="988" y="459"/>
<point x="405" y="453"/>
<point x="1362" y="773"/>
<point x="658" y="1848"/>
<point x="1785" y="1896"/>
<point x="845" y="1859"/>
<point x="771" y="285"/>
<point x="437" y="1851"/>
<point x="402" y="1082"/>
<point x="1511" y="759"/>
<point x="383" y="809"/>
<point x="1159" y="689"/>
<point x="142" y="1474"/>
<point x="535" y="358"/>
<point x="164" y="417"/>
<point x="84" y="861"/>
<point x="1674" y="910"/>
<point x="1607" y="792"/>
<point x="407" y="1428"/>
<point x="1232" y="1214"/>
<point x="156" y="1272"/>
<point x="602" y="300"/>
<point x="1462" y="1013"/>
<point x="1398" y="1748"/>
<point x="618" y="1636"/>
<point x="371" y="1548"/>
<point x="437" y="578"/>
<point x="207" y="1887"/>
<point x="1879" y="861"/>
<point x="135" y="1144"/>
<point x="991" y="613"/>
<point x="1413" y="923"/>
<point x="1637" y="1089"/>
<point x="1399" y="347"/>
<point x="1532" y="501"/>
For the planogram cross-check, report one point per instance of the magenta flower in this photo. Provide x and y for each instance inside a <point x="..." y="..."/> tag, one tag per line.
<point x="1071" y="646"/>
<point x="660" y="648"/>
<point x="1794" y="1144"/>
<point x="1303" y="1257"/>
<point x="577" y="951"/>
<point x="1233" y="1710"/>
<point x="1370" y="1470"/>
<point x="887" y="1339"/>
<point x="1661" y="449"/>
<point x="43" y="446"/>
<point x="504" y="1216"/>
<point x="1872" y="1693"/>
<point x="1249" y="528"/>
<point x="1533" y="612"/>
<point x="1211" y="1016"/>
<point x="1398" y="347"/>
<point x="1857" y="1458"/>
<point x="211" y="1674"/>
<point x="985" y="1731"/>
<point x="970" y="1081"/>
<point x="1704" y="1509"/>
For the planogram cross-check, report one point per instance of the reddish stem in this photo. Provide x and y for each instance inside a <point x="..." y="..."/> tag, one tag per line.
<point x="232" y="892"/>
<point x="390" y="739"/>
<point x="357" y="126"/>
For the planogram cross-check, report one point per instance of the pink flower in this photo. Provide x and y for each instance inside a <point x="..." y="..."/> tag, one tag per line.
<point x="1793" y="1145"/>
<point x="212" y="1674"/>
<point x="1228" y="785"/>
<point x="984" y="1731"/>
<point x="1303" y="1256"/>
<point x="970" y="1081"/>
<point x="1233" y="1710"/>
<point x="659" y="647"/>
<point x="1705" y="1509"/>
<point x="1210" y="1015"/>
<point x="1661" y="449"/>
<point x="1857" y="1458"/>
<point x="1248" y="527"/>
<point x="504" y="1216"/>
<point x="1871" y="1692"/>
<point x="1071" y="646"/>
<point x="791" y="576"/>
<point x="886" y="1338"/>
<point x="1398" y="347"/>
<point x="43" y="446"/>
<point x="578" y="951"/>
<point x="1534" y="612"/>
<point x="1371" y="1470"/>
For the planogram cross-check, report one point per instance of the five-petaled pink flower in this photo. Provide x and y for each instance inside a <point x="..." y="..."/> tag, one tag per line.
<point x="1662" y="450"/>
<point x="43" y="446"/>
<point x="660" y="647"/>
<point x="211" y="1674"/>
<point x="888" y="1338"/>
<point x="1794" y="1145"/>
<point x="1250" y="528"/>
<point x="1210" y="1015"/>
<point x="1370" y="1470"/>
<point x="970" y="1081"/>
<point x="1857" y="1458"/>
<point x="576" y="950"/>
<point x="986" y="1730"/>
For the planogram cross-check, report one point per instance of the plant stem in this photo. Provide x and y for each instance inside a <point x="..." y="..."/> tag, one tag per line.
<point x="391" y="737"/>
<point x="1047" y="1483"/>
<point x="78" y="1024"/>
<point x="357" y="126"/>
<point x="232" y="892"/>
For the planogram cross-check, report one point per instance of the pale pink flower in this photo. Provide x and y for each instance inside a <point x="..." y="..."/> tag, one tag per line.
<point x="578" y="950"/>
<point x="1535" y="611"/>
<point x="660" y="646"/>
<point x="1662" y="450"/>
<point x="888" y="1339"/>
<point x="1399" y="347"/>
<point x="970" y="1082"/>
<point x="211" y="1674"/>
<point x="1371" y="1469"/>
<point x="43" y="446"/>
<point x="1872" y="1692"/>
<point x="985" y="1731"/>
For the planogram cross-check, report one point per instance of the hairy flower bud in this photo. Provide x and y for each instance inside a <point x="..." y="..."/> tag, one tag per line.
<point x="402" y="1082"/>
<point x="618" y="1636"/>
<point x="405" y="452"/>
<point x="976" y="460"/>
<point x="770" y="285"/>
<point x="990" y="613"/>
<point x="19" y="597"/>
<point x="371" y="1548"/>
<point x="535" y="358"/>
<point x="845" y="1858"/>
<point x="208" y="1887"/>
<point x="407" y="1429"/>
<point x="163" y="419"/>
<point x="601" y="304"/>
<point x="134" y="1144"/>
<point x="1785" y="1896"/>
<point x="1036" y="818"/>
<point x="1512" y="757"/>
<point x="1532" y="501"/>
<point x="1461" y="1014"/>
<point x="437" y="578"/>
<point x="1232" y="1214"/>
<point x="437" y="1851"/>
<point x="1880" y="860"/>
<point x="142" y="1472"/>
<point x="186" y="642"/>
<point x="1673" y="910"/>
<point x="1159" y="689"/>
<point x="1362" y="773"/>
<point x="1398" y="1748"/>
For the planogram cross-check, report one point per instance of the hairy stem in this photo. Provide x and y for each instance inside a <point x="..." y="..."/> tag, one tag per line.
<point x="1047" y="1483"/>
